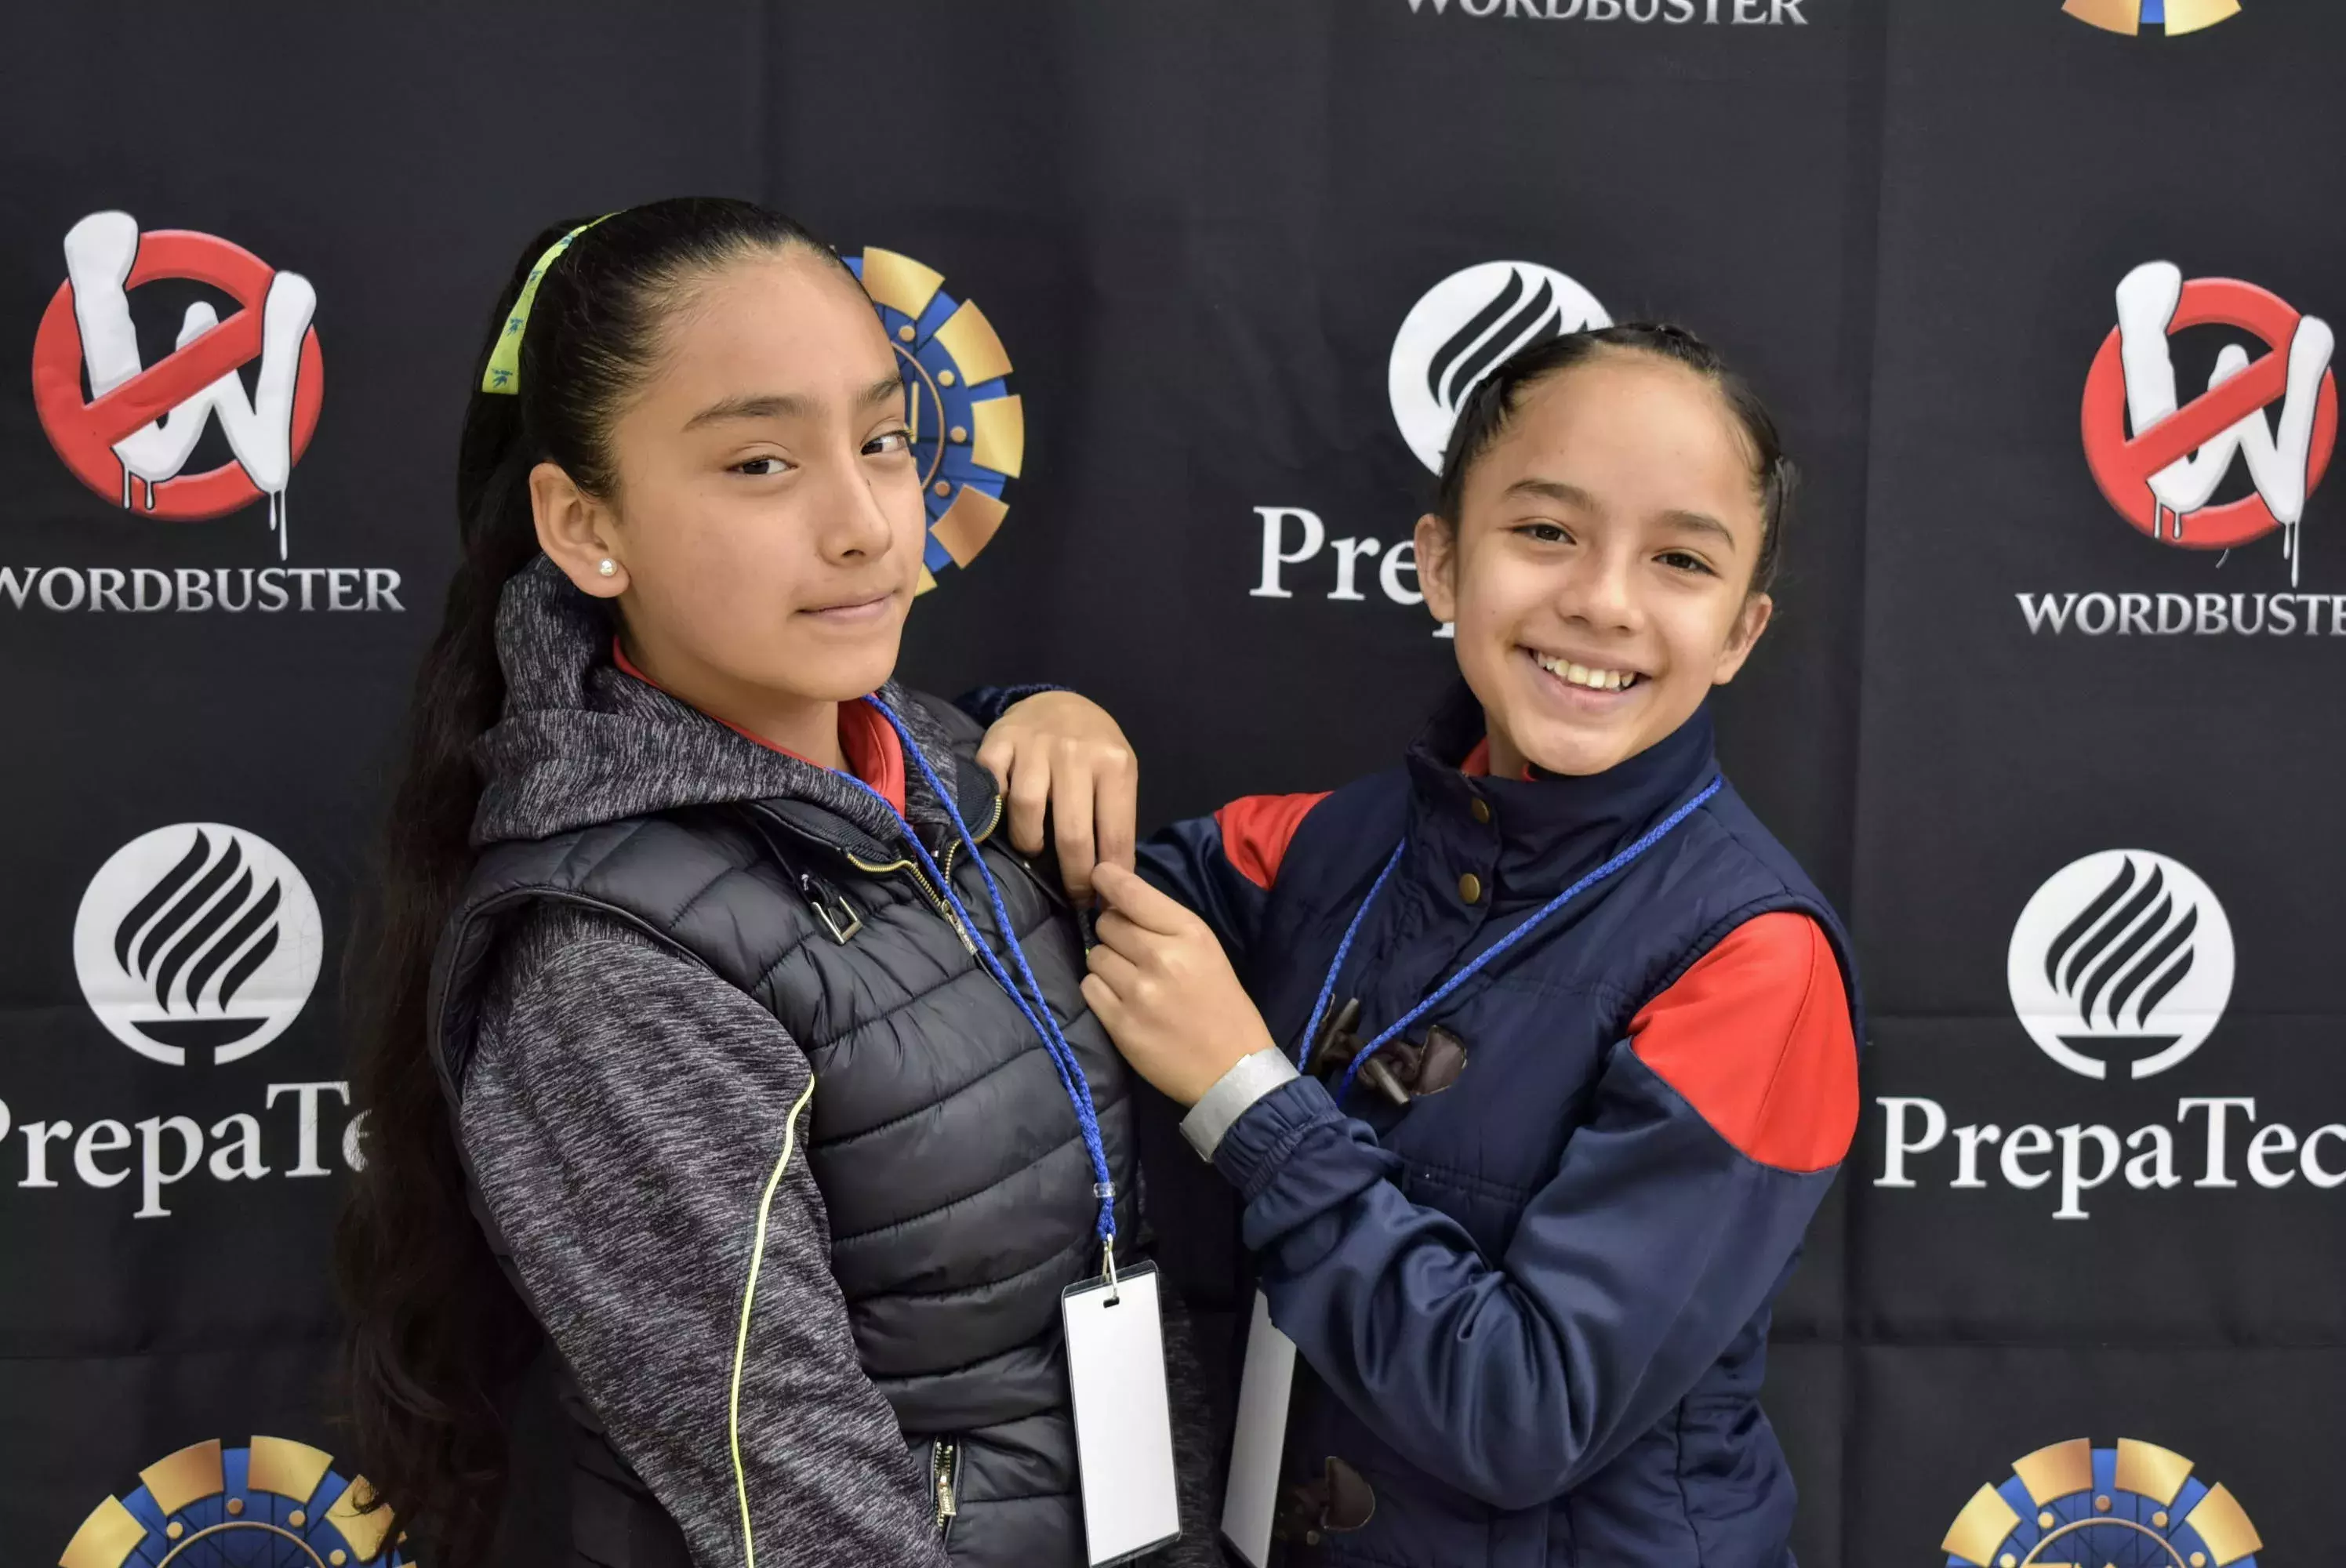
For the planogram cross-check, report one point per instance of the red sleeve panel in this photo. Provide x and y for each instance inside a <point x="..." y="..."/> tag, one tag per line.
<point x="1257" y="828"/>
<point x="1757" y="1038"/>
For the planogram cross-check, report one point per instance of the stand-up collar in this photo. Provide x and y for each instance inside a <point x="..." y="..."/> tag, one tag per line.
<point x="1544" y="831"/>
<point x="582" y="742"/>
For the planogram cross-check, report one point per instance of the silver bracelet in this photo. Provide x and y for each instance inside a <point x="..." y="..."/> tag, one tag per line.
<point x="1217" y="1110"/>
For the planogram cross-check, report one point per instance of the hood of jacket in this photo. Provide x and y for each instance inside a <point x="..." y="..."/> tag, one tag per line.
<point x="582" y="742"/>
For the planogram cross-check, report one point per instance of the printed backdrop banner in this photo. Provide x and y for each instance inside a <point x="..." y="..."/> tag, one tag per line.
<point x="1188" y="294"/>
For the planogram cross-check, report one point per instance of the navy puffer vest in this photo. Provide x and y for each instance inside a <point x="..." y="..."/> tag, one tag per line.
<point x="940" y="1138"/>
<point x="1706" y="1483"/>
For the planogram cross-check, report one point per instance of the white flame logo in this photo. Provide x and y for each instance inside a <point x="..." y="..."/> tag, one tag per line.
<point x="2125" y="955"/>
<point x="198" y="936"/>
<point x="1463" y="328"/>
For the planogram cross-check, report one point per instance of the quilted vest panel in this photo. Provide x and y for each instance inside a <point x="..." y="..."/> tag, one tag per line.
<point x="949" y="1158"/>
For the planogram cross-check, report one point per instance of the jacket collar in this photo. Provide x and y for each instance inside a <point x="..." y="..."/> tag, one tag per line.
<point x="581" y="742"/>
<point x="1551" y="829"/>
<point x="975" y="795"/>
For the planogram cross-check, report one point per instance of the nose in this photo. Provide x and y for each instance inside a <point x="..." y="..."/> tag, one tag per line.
<point x="1602" y="595"/>
<point x="854" y="525"/>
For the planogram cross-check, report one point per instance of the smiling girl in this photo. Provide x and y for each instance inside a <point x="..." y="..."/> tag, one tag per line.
<point x="1545" y="1050"/>
<point x="671" y="849"/>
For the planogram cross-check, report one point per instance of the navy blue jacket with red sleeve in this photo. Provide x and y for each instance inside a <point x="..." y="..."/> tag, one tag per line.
<point x="1534" y="1306"/>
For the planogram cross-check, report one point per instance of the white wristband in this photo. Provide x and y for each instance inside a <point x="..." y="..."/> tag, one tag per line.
<point x="1220" y="1106"/>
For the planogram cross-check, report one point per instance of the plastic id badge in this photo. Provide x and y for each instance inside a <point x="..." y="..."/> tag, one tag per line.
<point x="1123" y="1426"/>
<point x="1264" y="1387"/>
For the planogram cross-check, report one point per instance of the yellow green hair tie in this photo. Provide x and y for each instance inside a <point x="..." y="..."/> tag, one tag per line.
<point x="503" y="372"/>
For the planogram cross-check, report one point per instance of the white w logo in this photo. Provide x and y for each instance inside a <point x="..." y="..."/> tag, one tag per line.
<point x="2278" y="465"/>
<point x="99" y="251"/>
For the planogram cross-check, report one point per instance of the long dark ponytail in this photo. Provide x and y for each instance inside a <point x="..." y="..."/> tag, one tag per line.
<point x="437" y="1335"/>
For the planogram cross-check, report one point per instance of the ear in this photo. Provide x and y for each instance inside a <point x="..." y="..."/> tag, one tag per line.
<point x="1743" y="636"/>
<point x="576" y="531"/>
<point x="1438" y="567"/>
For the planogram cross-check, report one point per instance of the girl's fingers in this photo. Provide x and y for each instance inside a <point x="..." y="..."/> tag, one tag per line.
<point x="1118" y="810"/>
<point x="1114" y="931"/>
<point x="1146" y="907"/>
<point x="1113" y="970"/>
<point x="1102" y="1000"/>
<point x="995" y="753"/>
<point x="1029" y="794"/>
<point x="1071" y="821"/>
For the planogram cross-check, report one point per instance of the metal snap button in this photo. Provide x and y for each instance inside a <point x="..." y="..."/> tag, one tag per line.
<point x="1470" y="888"/>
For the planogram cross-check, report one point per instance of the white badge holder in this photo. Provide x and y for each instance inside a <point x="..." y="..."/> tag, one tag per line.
<point x="1124" y="1423"/>
<point x="1251" y="1497"/>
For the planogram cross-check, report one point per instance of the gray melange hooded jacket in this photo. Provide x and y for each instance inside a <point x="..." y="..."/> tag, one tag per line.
<point x="622" y="1105"/>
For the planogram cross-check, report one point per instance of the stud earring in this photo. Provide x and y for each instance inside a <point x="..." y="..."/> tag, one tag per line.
<point x="609" y="568"/>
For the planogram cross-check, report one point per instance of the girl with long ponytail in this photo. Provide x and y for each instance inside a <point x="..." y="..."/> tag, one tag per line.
<point x="670" y="851"/>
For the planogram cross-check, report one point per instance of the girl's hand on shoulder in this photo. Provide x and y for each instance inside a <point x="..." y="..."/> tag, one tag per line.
<point x="1060" y="756"/>
<point x="1163" y="986"/>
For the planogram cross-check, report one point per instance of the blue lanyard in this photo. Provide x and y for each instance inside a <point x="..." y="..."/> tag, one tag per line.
<point x="1344" y="948"/>
<point x="1030" y="1002"/>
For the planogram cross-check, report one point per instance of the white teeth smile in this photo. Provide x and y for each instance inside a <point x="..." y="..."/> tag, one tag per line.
<point x="1582" y="675"/>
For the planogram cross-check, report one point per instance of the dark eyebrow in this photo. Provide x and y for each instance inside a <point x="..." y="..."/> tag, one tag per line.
<point x="787" y="406"/>
<point x="1572" y="495"/>
<point x="1702" y="523"/>
<point x="773" y="405"/>
<point x="1554" y="490"/>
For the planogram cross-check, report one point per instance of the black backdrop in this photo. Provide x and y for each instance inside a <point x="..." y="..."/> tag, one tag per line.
<point x="1197" y="227"/>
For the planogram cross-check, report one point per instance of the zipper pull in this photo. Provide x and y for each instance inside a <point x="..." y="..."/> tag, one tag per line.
<point x="943" y="906"/>
<point x="944" y="1461"/>
<point x="960" y="931"/>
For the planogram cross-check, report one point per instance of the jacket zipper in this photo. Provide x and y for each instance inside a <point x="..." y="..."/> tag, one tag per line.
<point x="920" y="879"/>
<point x="981" y="836"/>
<point x="945" y="1474"/>
<point x="944" y="868"/>
<point x="944" y="909"/>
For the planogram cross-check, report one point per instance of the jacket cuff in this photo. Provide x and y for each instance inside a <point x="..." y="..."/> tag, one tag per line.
<point x="1248" y="1079"/>
<point x="1259" y="1143"/>
<point x="987" y="704"/>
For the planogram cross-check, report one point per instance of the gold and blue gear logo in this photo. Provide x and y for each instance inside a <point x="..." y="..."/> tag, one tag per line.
<point x="274" y="1503"/>
<point x="969" y="429"/>
<point x="2133" y="1506"/>
<point x="2172" y="17"/>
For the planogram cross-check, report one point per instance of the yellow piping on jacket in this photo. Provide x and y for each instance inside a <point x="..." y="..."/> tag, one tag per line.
<point x="749" y="1295"/>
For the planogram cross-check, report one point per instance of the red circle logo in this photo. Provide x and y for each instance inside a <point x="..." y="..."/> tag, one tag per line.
<point x="184" y="384"/>
<point x="2123" y="466"/>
